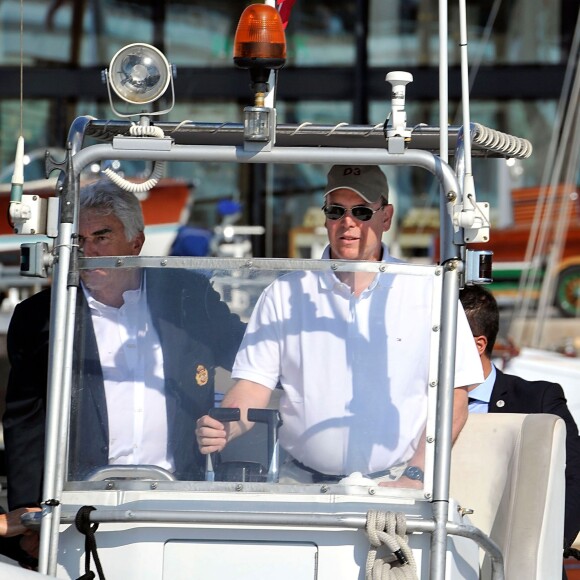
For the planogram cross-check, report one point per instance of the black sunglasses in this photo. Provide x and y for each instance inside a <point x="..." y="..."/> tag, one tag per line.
<point x="362" y="213"/>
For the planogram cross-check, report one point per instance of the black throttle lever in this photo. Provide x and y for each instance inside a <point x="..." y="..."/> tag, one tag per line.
<point x="223" y="415"/>
<point x="273" y="420"/>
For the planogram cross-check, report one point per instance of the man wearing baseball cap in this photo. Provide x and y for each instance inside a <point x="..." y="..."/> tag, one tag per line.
<point x="357" y="212"/>
<point x="350" y="350"/>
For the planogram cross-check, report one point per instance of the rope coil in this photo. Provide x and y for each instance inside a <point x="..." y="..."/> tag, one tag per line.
<point x="388" y="529"/>
<point x="501" y="142"/>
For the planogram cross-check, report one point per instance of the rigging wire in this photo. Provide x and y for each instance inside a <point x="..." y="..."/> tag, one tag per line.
<point x="542" y="217"/>
<point x="485" y="39"/>
<point x="571" y="148"/>
<point x="433" y="192"/>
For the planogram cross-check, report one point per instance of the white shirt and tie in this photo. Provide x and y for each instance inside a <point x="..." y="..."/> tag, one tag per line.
<point x="480" y="397"/>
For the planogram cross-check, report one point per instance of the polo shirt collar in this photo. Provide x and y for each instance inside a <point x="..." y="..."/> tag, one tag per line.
<point x="329" y="281"/>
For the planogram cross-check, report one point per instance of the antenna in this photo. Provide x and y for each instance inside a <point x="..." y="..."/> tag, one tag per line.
<point x="18" y="175"/>
<point x="468" y="185"/>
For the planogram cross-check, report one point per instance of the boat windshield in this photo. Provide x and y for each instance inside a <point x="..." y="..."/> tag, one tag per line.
<point x="329" y="384"/>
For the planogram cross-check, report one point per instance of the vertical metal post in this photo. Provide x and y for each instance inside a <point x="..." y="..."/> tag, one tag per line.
<point x="55" y="448"/>
<point x="63" y="432"/>
<point x="443" y="433"/>
<point x="448" y="329"/>
<point x="443" y="83"/>
<point x="63" y="299"/>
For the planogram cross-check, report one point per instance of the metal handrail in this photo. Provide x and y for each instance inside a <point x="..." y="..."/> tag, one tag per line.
<point x="111" y="516"/>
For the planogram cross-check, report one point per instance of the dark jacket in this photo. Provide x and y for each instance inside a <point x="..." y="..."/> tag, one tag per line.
<point x="197" y="333"/>
<point x="521" y="396"/>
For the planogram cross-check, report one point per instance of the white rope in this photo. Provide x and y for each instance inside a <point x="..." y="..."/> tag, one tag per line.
<point x="146" y="131"/>
<point x="388" y="529"/>
<point x="336" y="127"/>
<point x="158" y="166"/>
<point x="501" y="142"/>
<point x="297" y="130"/>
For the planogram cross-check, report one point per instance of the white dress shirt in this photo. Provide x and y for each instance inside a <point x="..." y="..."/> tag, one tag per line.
<point x="132" y="364"/>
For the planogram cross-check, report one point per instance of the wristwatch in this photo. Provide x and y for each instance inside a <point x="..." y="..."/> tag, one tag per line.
<point x="414" y="473"/>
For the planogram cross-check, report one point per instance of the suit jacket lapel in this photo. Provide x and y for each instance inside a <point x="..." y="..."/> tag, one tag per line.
<point x="89" y="420"/>
<point x="92" y="372"/>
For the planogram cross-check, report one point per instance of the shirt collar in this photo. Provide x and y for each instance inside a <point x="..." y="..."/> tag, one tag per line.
<point x="129" y="297"/>
<point x="329" y="280"/>
<point x="386" y="256"/>
<point x="482" y="393"/>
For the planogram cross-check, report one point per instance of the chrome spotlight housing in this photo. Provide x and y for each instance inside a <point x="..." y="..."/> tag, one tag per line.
<point x="139" y="74"/>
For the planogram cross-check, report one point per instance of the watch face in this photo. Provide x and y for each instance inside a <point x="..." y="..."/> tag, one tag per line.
<point x="414" y="473"/>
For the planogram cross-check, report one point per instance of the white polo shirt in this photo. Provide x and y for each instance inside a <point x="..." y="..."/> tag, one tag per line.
<point x="354" y="370"/>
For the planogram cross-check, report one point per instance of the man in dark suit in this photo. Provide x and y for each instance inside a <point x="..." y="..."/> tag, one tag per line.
<point x="147" y="344"/>
<point x="503" y="393"/>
